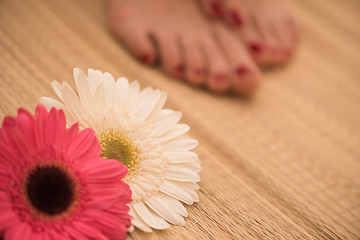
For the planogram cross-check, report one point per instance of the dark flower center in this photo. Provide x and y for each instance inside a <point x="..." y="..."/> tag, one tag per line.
<point x="50" y="189"/>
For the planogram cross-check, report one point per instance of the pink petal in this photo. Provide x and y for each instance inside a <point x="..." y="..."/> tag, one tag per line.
<point x="85" y="145"/>
<point x="60" y="128"/>
<point x="88" y="230"/>
<point x="41" y="115"/>
<point x="109" y="224"/>
<point x="8" y="122"/>
<point x="105" y="219"/>
<point x="22" y="231"/>
<point x="50" y="127"/>
<point x="70" y="134"/>
<point x="25" y="123"/>
<point x="7" y="216"/>
<point x="103" y="169"/>
<point x="74" y="233"/>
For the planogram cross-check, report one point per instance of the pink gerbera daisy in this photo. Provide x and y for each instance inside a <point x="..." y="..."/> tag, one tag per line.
<point x="53" y="183"/>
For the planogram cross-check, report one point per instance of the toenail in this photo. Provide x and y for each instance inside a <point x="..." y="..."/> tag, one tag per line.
<point x="236" y="18"/>
<point x="220" y="78"/>
<point x="199" y="72"/>
<point x="179" y="70"/>
<point x="145" y="59"/>
<point x="241" y="70"/>
<point x="255" y="47"/>
<point x="217" y="8"/>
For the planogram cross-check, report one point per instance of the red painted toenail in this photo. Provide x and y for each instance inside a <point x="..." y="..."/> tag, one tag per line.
<point x="220" y="78"/>
<point x="145" y="59"/>
<point x="255" y="47"/>
<point x="241" y="70"/>
<point x="217" y="8"/>
<point x="179" y="70"/>
<point x="236" y="18"/>
<point x="199" y="72"/>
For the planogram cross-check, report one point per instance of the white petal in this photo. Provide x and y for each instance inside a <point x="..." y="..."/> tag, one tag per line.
<point x="83" y="88"/>
<point x="147" y="102"/>
<point x="99" y="95"/>
<point x="133" y="97"/>
<point x="137" y="222"/>
<point x="194" y="166"/>
<point x="76" y="71"/>
<point x="122" y="87"/>
<point x="111" y="95"/>
<point x="181" y="156"/>
<point x="57" y="88"/>
<point x="173" y="190"/>
<point x="72" y="101"/>
<point x="177" y="130"/>
<point x="50" y="102"/>
<point x="159" y="105"/>
<point x="95" y="79"/>
<point x="180" y="173"/>
<point x="158" y="205"/>
<point x="168" y="119"/>
<point x="188" y="187"/>
<point x="148" y="216"/>
<point x="175" y="204"/>
<point x="183" y="144"/>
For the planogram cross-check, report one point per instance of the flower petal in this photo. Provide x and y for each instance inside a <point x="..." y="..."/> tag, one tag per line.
<point x="83" y="87"/>
<point x="175" y="191"/>
<point x="148" y="216"/>
<point x="167" y="119"/>
<point x="181" y="156"/>
<point x="158" y="205"/>
<point x="72" y="102"/>
<point x="136" y="221"/>
<point x="110" y="93"/>
<point x="180" y="173"/>
<point x="122" y="87"/>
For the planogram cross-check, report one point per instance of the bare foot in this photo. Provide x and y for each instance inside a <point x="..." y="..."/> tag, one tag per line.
<point x="266" y="26"/>
<point x="189" y="46"/>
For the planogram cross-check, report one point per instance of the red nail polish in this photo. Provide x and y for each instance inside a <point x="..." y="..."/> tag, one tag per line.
<point x="255" y="47"/>
<point x="241" y="70"/>
<point x="145" y="59"/>
<point x="236" y="18"/>
<point x="199" y="72"/>
<point x="220" y="78"/>
<point x="217" y="8"/>
<point x="179" y="70"/>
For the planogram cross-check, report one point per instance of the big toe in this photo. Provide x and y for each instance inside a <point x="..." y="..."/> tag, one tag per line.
<point x="244" y="74"/>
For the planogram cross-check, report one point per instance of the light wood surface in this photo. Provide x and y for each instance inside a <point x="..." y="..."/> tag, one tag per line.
<point x="284" y="164"/>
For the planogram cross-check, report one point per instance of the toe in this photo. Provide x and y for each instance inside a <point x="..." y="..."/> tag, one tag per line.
<point x="194" y="62"/>
<point x="245" y="80"/>
<point x="217" y="79"/>
<point x="284" y="42"/>
<point x="244" y="74"/>
<point x="137" y="41"/>
<point x="170" y="55"/>
<point x="256" y="44"/>
<point x="132" y="33"/>
<point x="234" y="13"/>
<point x="213" y="8"/>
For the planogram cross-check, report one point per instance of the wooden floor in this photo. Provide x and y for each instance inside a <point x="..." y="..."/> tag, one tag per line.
<point x="284" y="164"/>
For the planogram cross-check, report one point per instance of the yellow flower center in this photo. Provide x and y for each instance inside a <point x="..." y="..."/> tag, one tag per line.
<point x="118" y="146"/>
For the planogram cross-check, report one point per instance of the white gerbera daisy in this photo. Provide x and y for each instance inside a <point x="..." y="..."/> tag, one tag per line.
<point x="133" y="128"/>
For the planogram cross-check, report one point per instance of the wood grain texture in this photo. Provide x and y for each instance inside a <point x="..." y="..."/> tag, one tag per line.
<point x="284" y="164"/>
